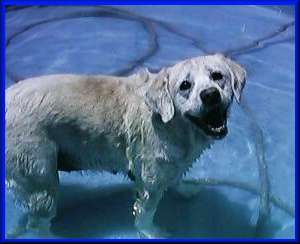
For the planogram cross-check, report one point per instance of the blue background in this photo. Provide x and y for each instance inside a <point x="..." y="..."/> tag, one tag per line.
<point x="48" y="39"/>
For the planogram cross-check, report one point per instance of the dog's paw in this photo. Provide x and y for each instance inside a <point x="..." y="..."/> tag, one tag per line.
<point x="153" y="232"/>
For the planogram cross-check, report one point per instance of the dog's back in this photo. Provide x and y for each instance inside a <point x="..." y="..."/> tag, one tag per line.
<point x="63" y="122"/>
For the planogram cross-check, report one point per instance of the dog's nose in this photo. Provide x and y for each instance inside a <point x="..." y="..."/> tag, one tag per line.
<point x="210" y="96"/>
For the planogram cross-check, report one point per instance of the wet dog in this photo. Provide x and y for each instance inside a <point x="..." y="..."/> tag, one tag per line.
<point x="151" y="126"/>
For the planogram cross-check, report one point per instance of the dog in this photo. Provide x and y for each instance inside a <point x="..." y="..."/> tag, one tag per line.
<point x="149" y="126"/>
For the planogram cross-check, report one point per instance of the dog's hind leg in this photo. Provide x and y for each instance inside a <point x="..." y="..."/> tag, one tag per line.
<point x="31" y="174"/>
<point x="34" y="225"/>
<point x="43" y="209"/>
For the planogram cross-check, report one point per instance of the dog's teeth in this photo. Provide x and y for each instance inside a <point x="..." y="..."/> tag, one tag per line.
<point x="218" y="129"/>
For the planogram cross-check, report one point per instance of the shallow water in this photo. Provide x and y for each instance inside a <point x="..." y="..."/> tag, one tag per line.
<point x="120" y="40"/>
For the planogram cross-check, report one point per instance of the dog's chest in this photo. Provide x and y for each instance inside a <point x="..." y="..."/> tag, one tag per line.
<point x="194" y="146"/>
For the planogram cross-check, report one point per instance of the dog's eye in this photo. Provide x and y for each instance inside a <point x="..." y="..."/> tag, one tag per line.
<point x="185" y="85"/>
<point x="216" y="76"/>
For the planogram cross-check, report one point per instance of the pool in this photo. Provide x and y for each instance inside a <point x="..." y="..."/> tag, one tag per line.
<point x="120" y="40"/>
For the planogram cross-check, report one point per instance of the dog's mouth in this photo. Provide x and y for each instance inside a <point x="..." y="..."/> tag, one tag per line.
<point x="213" y="123"/>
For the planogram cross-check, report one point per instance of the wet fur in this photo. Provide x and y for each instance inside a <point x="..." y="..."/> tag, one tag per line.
<point x="117" y="124"/>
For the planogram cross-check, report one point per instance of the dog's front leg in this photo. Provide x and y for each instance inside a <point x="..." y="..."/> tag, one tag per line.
<point x="144" y="210"/>
<point x="150" y="190"/>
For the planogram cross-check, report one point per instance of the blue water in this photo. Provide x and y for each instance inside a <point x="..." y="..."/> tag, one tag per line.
<point x="120" y="40"/>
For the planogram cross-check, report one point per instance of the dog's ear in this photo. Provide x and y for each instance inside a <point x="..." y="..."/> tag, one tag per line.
<point x="158" y="96"/>
<point x="238" y="78"/>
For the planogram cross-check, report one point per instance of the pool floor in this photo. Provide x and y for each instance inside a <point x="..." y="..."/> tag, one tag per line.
<point x="119" y="40"/>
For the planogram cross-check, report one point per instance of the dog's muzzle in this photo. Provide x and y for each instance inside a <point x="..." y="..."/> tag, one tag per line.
<point x="212" y="122"/>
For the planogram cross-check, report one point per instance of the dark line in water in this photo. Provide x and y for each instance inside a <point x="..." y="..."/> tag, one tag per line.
<point x="258" y="44"/>
<point x="264" y="191"/>
<point x="243" y="186"/>
<point x="167" y="26"/>
<point x="148" y="25"/>
<point x="195" y="42"/>
<point x="264" y="45"/>
<point x="152" y="50"/>
<point x="107" y="12"/>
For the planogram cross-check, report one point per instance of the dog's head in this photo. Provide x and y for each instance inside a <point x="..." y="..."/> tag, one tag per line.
<point x="200" y="90"/>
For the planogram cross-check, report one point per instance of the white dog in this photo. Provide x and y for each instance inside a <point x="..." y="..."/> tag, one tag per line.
<point x="149" y="126"/>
